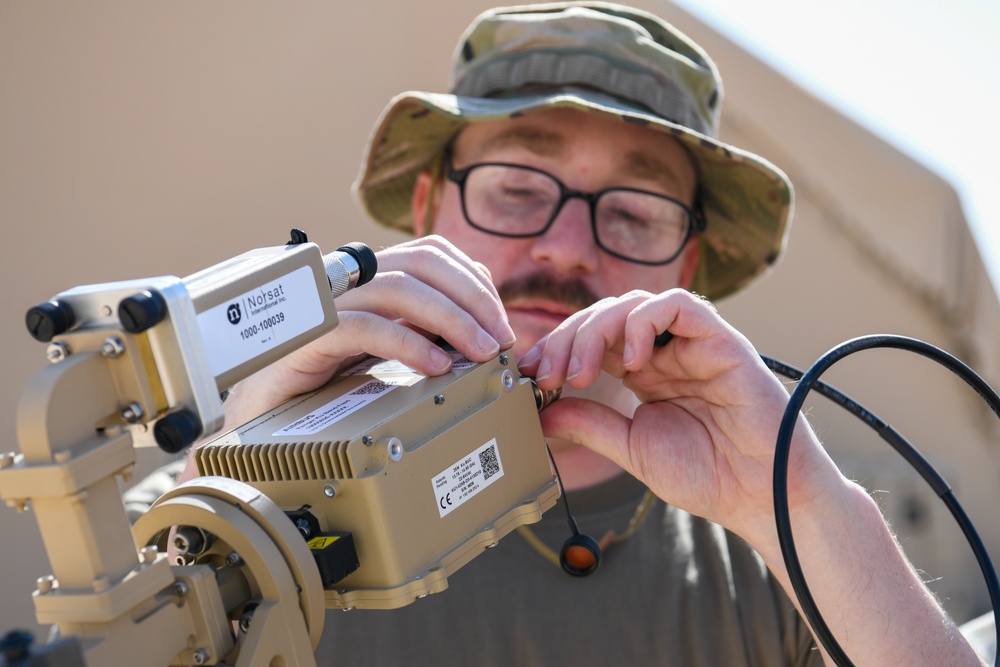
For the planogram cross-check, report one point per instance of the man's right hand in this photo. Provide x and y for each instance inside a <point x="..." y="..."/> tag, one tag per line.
<point x="424" y="290"/>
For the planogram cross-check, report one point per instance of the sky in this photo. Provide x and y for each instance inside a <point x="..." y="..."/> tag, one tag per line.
<point x="923" y="74"/>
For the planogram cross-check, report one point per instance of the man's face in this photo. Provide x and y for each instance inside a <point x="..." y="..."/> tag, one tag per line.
<point x="544" y="279"/>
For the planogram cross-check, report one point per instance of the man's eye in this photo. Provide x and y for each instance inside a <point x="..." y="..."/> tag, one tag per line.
<point x="627" y="218"/>
<point x="519" y="191"/>
<point x="517" y="194"/>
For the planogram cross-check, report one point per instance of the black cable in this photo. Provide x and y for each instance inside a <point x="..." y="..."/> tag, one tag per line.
<point x="810" y="380"/>
<point x="569" y="515"/>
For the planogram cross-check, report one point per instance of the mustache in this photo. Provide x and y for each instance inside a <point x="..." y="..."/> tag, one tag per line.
<point x="572" y="292"/>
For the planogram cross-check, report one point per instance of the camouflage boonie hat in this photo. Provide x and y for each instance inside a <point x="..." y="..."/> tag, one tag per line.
<point x="602" y="58"/>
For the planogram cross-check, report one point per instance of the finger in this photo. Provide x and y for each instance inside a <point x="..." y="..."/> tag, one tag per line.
<point x="589" y="423"/>
<point x="577" y="350"/>
<point x="365" y="333"/>
<point x="443" y="267"/>
<point x="687" y="319"/>
<point x="400" y="296"/>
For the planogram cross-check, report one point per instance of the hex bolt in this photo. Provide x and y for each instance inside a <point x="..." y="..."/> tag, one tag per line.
<point x="395" y="448"/>
<point x="112" y="347"/>
<point x="45" y="584"/>
<point x="247" y="616"/>
<point x="56" y="352"/>
<point x="304" y="528"/>
<point x="132" y="413"/>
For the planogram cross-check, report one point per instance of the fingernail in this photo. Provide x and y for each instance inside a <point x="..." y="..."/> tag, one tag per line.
<point x="506" y="336"/>
<point x="440" y="359"/>
<point x="573" y="369"/>
<point x="530" y="358"/>
<point x="487" y="343"/>
<point x="544" y="369"/>
<point x="628" y="357"/>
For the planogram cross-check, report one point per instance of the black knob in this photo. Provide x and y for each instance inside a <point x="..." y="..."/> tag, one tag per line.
<point x="177" y="430"/>
<point x="365" y="257"/>
<point x="15" y="645"/>
<point x="142" y="311"/>
<point x="47" y="320"/>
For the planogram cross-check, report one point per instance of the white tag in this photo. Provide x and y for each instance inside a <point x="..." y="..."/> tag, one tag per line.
<point x="337" y="409"/>
<point x="467" y="477"/>
<point x="261" y="319"/>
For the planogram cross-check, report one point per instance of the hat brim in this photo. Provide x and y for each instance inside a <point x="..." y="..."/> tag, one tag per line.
<point x="746" y="200"/>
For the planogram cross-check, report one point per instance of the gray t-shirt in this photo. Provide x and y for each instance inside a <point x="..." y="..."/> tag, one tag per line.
<point x="681" y="592"/>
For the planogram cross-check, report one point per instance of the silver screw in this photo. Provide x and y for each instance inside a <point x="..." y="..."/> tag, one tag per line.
<point x="6" y="459"/>
<point x="508" y="380"/>
<point x="181" y="588"/>
<point x="439" y="399"/>
<point x="148" y="554"/>
<point x="504" y="360"/>
<point x="329" y="490"/>
<point x="367" y="439"/>
<point x="233" y="559"/>
<point x="56" y="352"/>
<point x="395" y="449"/>
<point x="132" y="413"/>
<point x="200" y="657"/>
<point x="112" y="347"/>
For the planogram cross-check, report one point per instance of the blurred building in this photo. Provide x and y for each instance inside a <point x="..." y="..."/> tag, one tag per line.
<point x="147" y="139"/>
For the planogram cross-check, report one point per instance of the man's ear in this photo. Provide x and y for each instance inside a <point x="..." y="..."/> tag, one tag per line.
<point x="689" y="262"/>
<point x="422" y="207"/>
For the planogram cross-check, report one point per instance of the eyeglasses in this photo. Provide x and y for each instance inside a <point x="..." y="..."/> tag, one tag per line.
<point x="520" y="202"/>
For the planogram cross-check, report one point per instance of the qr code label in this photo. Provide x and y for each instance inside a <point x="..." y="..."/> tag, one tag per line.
<point x="461" y="481"/>
<point x="488" y="459"/>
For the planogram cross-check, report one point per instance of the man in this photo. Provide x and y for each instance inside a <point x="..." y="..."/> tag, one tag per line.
<point x="571" y="182"/>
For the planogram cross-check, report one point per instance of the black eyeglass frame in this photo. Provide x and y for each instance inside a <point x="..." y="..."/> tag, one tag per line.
<point x="695" y="219"/>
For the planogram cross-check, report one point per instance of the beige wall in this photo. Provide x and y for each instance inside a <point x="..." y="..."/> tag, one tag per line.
<point x="146" y="139"/>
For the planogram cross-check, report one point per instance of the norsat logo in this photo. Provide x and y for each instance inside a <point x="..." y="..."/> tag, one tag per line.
<point x="233" y="312"/>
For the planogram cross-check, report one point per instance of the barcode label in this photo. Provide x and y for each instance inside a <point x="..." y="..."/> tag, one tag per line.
<point x="371" y="388"/>
<point x="337" y="409"/>
<point x="460" y="482"/>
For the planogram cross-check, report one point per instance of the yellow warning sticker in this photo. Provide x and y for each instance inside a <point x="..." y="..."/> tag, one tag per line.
<point x="323" y="541"/>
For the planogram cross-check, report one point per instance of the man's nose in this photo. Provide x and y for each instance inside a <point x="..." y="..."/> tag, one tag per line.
<point x="568" y="244"/>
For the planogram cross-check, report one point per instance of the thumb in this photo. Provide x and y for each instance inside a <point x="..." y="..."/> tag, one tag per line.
<point x="594" y="425"/>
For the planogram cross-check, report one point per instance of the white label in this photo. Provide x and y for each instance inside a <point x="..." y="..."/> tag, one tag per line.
<point x="462" y="481"/>
<point x="337" y="409"/>
<point x="261" y="319"/>
<point x="398" y="373"/>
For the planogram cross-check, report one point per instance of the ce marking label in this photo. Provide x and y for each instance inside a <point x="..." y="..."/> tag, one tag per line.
<point x="446" y="501"/>
<point x="465" y="478"/>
